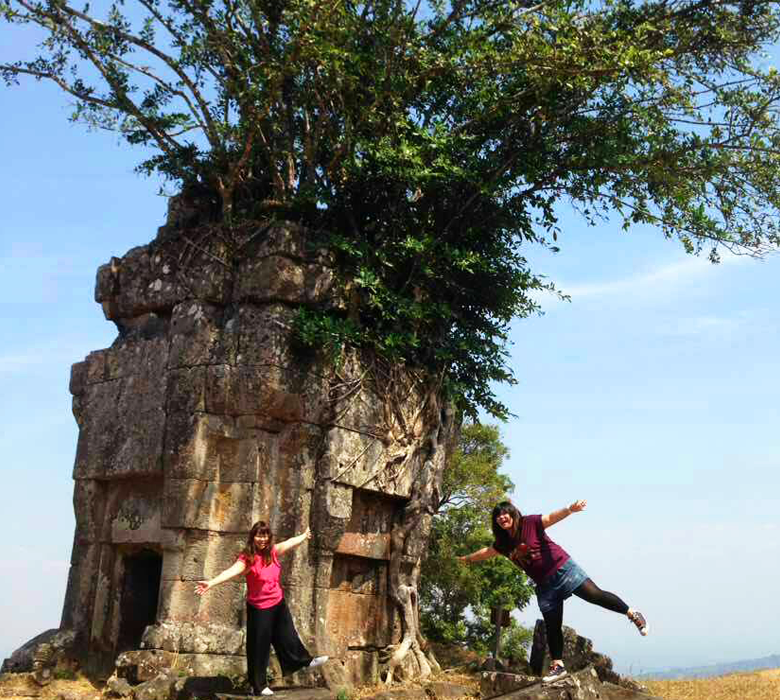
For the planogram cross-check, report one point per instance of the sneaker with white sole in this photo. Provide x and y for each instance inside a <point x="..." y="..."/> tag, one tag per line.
<point x="556" y="672"/>
<point x="639" y="620"/>
<point x="266" y="691"/>
<point x="318" y="661"/>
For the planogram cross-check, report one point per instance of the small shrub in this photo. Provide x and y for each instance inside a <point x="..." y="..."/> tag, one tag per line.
<point x="64" y="674"/>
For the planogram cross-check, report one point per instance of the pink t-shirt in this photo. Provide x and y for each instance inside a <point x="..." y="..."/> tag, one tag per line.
<point x="535" y="553"/>
<point x="262" y="581"/>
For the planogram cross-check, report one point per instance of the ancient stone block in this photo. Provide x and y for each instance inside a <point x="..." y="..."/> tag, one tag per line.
<point x="201" y="555"/>
<point x="80" y="591"/>
<point x="367" y="545"/>
<point x="271" y="279"/>
<point x="142" y="666"/>
<point x="195" y="638"/>
<point x="358" y="597"/>
<point x="212" y="447"/>
<point x="331" y="510"/>
<point x="289" y="240"/>
<point x="207" y="505"/>
<point x="365" y="463"/>
<point x="186" y="392"/>
<point x="89" y="502"/>
<point x="136" y="517"/>
<point x="105" y="598"/>
<point x="266" y="391"/>
<point x="201" y="335"/>
<point x="372" y="513"/>
<point x="142" y="362"/>
<point x="362" y="666"/>
<point x="224" y="604"/>
<point x="129" y="286"/>
<point x="264" y="335"/>
<point x="122" y="434"/>
<point x="78" y="378"/>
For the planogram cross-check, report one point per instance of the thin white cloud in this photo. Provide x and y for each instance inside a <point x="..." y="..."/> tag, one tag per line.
<point x="720" y="326"/>
<point x="649" y="282"/>
<point x="664" y="276"/>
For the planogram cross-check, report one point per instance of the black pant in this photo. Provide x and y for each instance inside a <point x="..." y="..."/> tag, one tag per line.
<point x="589" y="591"/>
<point x="264" y="628"/>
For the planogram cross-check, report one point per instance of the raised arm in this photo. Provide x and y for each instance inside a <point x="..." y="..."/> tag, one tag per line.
<point x="293" y="542"/>
<point x="238" y="568"/>
<point x="479" y="555"/>
<point x="557" y="515"/>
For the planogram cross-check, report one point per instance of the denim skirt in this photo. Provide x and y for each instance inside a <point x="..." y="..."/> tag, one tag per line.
<point x="559" y="586"/>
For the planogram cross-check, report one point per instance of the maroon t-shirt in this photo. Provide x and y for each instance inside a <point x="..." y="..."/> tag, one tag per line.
<point x="535" y="553"/>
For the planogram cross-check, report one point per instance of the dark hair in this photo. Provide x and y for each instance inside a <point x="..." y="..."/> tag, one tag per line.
<point x="250" y="551"/>
<point x="506" y="541"/>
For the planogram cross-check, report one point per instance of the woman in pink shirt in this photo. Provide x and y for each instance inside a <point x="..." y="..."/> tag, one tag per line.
<point x="268" y="619"/>
<point x="523" y="539"/>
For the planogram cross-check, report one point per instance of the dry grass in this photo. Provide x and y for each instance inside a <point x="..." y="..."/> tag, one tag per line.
<point x="367" y="691"/>
<point x="757" y="685"/>
<point x="22" y="686"/>
<point x="469" y="680"/>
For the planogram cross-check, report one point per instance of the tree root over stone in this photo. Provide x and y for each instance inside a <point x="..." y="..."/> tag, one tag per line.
<point x="417" y="515"/>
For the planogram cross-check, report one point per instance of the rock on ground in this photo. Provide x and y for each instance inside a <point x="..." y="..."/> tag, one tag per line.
<point x="581" y="685"/>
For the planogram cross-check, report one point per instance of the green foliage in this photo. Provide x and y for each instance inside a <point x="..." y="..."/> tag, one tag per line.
<point x="329" y="333"/>
<point x="472" y="478"/>
<point x="515" y="641"/>
<point x="64" y="674"/>
<point x="434" y="141"/>
<point x="471" y="487"/>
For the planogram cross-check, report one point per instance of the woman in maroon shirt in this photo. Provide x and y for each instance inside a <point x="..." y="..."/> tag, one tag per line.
<point x="268" y="619"/>
<point x="524" y="540"/>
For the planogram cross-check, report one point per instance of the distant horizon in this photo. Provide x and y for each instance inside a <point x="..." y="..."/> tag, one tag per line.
<point x="774" y="658"/>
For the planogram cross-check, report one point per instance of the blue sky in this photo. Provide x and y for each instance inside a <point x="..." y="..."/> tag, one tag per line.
<point x="653" y="395"/>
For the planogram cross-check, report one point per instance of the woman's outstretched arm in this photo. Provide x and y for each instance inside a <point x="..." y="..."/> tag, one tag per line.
<point x="479" y="555"/>
<point x="238" y="568"/>
<point x="557" y="515"/>
<point x="293" y="542"/>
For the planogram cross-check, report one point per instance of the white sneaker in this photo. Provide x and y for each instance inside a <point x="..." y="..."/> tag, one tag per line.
<point x="266" y="691"/>
<point x="639" y="620"/>
<point x="556" y="672"/>
<point x="318" y="661"/>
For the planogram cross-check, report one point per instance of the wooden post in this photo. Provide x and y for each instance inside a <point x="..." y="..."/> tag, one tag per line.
<point x="500" y="617"/>
<point x="498" y="635"/>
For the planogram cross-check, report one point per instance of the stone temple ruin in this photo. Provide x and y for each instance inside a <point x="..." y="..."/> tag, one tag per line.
<point x="203" y="417"/>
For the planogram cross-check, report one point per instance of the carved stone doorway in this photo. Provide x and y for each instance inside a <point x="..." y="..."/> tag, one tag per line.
<point x="139" y="597"/>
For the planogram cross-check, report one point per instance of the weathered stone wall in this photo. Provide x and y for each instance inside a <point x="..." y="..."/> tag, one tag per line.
<point x="204" y="417"/>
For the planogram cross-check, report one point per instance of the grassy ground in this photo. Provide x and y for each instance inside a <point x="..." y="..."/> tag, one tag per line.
<point x="758" y="685"/>
<point x="22" y="685"/>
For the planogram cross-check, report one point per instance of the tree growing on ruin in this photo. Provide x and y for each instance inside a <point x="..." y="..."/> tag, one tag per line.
<point x="427" y="144"/>
<point x="430" y="142"/>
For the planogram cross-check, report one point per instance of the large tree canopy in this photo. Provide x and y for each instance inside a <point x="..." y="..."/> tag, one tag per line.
<point x="433" y="140"/>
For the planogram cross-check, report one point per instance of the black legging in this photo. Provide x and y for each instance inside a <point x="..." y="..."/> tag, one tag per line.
<point x="589" y="592"/>
<point x="264" y="628"/>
